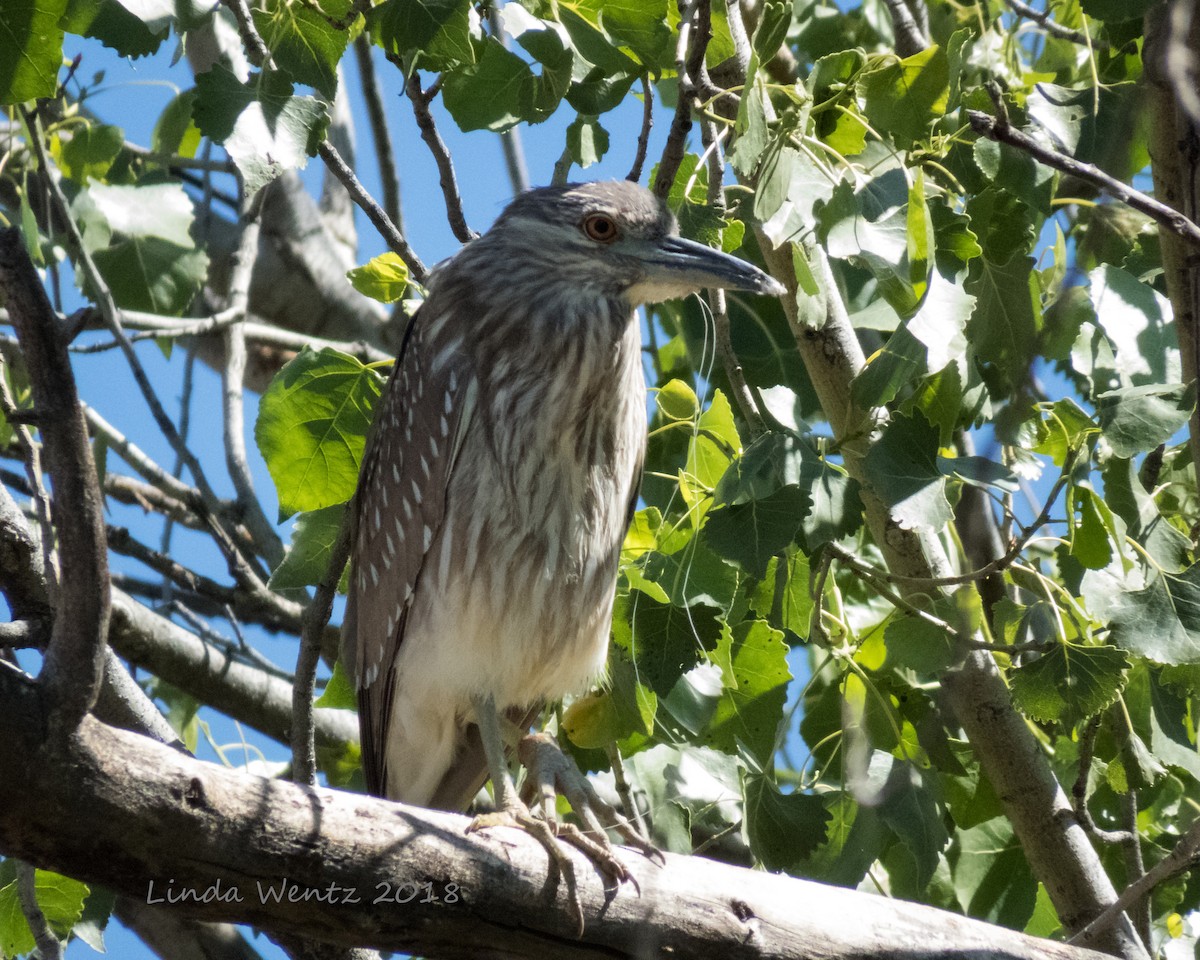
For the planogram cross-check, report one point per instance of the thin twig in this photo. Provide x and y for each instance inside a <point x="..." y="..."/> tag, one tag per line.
<point x="233" y="376"/>
<point x="643" y="140"/>
<point x="316" y="616"/>
<point x="510" y="140"/>
<point x="879" y="584"/>
<point x="178" y="162"/>
<point x="156" y="327"/>
<point x="242" y="567"/>
<point x="1181" y="859"/>
<point x="381" y="221"/>
<point x="385" y="156"/>
<point x="32" y="458"/>
<point x="49" y="947"/>
<point x="185" y="426"/>
<point x="1043" y="20"/>
<point x="689" y="54"/>
<point x="256" y="49"/>
<point x="420" y="101"/>
<point x="997" y="128"/>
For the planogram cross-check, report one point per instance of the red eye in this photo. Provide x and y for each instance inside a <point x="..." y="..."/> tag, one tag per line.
<point x="600" y="228"/>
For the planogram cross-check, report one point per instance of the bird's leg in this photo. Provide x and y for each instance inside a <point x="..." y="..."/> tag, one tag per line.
<point x="512" y="812"/>
<point x="554" y="772"/>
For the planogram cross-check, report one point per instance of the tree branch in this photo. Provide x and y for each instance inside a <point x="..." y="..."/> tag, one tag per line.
<point x="316" y="617"/>
<point x="249" y="694"/>
<point x="441" y="156"/>
<point x="1182" y="857"/>
<point x="74" y="660"/>
<point x="380" y="220"/>
<point x="1043" y="20"/>
<point x="643" y="140"/>
<point x="106" y="812"/>
<point x="385" y="156"/>
<point x="998" y="128"/>
<point x="910" y="38"/>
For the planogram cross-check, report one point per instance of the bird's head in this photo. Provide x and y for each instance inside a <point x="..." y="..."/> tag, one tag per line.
<point x="617" y="238"/>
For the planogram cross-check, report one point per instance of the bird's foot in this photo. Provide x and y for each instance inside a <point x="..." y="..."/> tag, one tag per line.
<point x="552" y="772"/>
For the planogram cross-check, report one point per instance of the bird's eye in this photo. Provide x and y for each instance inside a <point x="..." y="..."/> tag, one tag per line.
<point x="600" y="228"/>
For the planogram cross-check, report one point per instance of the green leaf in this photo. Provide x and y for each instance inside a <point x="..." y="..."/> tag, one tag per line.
<point x="88" y="152"/>
<point x="312" y="427"/>
<point x="751" y="533"/>
<point x="1162" y="621"/>
<point x="339" y="692"/>
<point x="97" y="909"/>
<point x="908" y="805"/>
<point x="920" y="645"/>
<point x="383" y="278"/>
<point x="302" y="40"/>
<point x="262" y="125"/>
<point x="755" y="676"/>
<point x="905" y="96"/>
<point x="1004" y="326"/>
<point x="903" y="467"/>
<point x="174" y="131"/>
<point x="439" y="29"/>
<point x="1093" y="533"/>
<point x="151" y="274"/>
<point x="30" y="49"/>
<point x="1137" y="419"/>
<point x="714" y="444"/>
<point x="638" y="26"/>
<point x="677" y="401"/>
<point x="783" y="597"/>
<point x="666" y="641"/>
<point x="1136" y="319"/>
<point x="587" y="141"/>
<point x="836" y="510"/>
<point x="16" y="939"/>
<point x="694" y="574"/>
<point x="496" y="93"/>
<point x="784" y="829"/>
<point x="1069" y="683"/>
<point x="113" y="25"/>
<point x="307" y="559"/>
<point x="992" y="880"/>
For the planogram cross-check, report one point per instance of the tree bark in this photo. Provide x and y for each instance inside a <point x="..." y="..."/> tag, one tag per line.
<point x="149" y="822"/>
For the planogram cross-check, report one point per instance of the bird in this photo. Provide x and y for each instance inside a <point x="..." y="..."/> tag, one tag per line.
<point x="499" y="477"/>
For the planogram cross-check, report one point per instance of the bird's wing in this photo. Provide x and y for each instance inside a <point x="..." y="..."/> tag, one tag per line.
<point x="400" y="504"/>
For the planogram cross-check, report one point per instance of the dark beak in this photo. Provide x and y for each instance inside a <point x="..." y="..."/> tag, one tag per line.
<point x="676" y="261"/>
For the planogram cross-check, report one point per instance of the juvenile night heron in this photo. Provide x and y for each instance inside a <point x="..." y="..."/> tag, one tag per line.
<point x="500" y="476"/>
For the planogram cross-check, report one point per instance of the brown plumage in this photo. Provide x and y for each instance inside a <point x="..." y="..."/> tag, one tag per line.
<point x="500" y="476"/>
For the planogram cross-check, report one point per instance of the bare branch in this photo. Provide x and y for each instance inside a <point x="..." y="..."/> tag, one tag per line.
<point x="998" y="128"/>
<point x="910" y="39"/>
<point x="315" y="619"/>
<point x="510" y="140"/>
<point x="1043" y="20"/>
<point x="1182" y="858"/>
<point x="385" y="156"/>
<point x="73" y="665"/>
<point x="420" y="101"/>
<point x="247" y="693"/>
<point x="49" y="947"/>
<point x="256" y="50"/>
<point x="689" y="55"/>
<point x="207" y="504"/>
<point x="173" y="937"/>
<point x="481" y="894"/>
<point x="233" y="376"/>
<point x="388" y="230"/>
<point x="643" y="140"/>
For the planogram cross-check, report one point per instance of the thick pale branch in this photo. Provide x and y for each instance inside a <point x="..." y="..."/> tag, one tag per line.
<point x="133" y="815"/>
